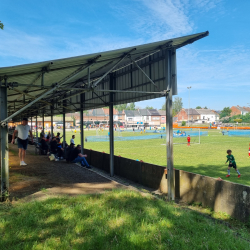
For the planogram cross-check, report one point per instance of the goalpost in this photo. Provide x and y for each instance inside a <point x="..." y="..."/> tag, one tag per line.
<point x="180" y="135"/>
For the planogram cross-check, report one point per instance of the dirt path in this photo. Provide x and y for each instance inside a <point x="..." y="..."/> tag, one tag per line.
<point x="42" y="178"/>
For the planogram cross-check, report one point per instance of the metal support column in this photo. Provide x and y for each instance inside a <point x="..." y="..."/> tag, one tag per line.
<point x="81" y="122"/>
<point x="111" y="123"/>
<point x="31" y="127"/>
<point x="170" y="68"/>
<point x="64" y="123"/>
<point x="36" y="130"/>
<point x="43" y="123"/>
<point x="52" y="128"/>
<point x="4" y="145"/>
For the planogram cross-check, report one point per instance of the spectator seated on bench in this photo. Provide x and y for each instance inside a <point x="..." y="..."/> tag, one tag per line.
<point x="44" y="146"/>
<point x="76" y="156"/>
<point x="42" y="135"/>
<point x="68" y="151"/>
<point x="56" y="148"/>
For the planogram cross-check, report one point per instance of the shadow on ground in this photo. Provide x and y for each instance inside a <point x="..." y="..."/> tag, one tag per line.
<point x="113" y="220"/>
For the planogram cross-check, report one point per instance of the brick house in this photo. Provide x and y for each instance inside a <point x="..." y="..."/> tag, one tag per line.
<point x="183" y="115"/>
<point x="237" y="110"/>
<point x="163" y="116"/>
<point x="247" y="109"/>
<point x="155" y="117"/>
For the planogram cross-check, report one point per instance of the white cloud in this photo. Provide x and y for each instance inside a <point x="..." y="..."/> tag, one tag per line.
<point x="213" y="69"/>
<point x="33" y="48"/>
<point x="166" y="18"/>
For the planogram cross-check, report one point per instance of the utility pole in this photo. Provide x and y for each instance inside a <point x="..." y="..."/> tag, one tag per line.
<point x="188" y="102"/>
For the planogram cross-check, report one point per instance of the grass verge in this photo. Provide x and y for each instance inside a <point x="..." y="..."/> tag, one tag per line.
<point x="118" y="219"/>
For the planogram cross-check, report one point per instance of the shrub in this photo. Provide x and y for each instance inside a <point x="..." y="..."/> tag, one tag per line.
<point x="183" y="123"/>
<point x="238" y="120"/>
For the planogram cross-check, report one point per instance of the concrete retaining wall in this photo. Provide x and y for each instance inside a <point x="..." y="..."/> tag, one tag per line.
<point x="223" y="196"/>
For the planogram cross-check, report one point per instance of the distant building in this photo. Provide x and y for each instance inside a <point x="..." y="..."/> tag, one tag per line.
<point x="163" y="116"/>
<point x="184" y="113"/>
<point x="207" y="116"/>
<point x="132" y="117"/>
<point x="237" y="110"/>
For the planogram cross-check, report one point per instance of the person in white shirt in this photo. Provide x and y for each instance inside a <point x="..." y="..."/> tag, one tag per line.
<point x="23" y="131"/>
<point x="72" y="139"/>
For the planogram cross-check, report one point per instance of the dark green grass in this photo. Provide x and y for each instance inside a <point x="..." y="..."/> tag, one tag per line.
<point x="207" y="158"/>
<point x="113" y="220"/>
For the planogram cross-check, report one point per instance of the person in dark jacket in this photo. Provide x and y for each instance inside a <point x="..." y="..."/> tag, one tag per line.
<point x="53" y="146"/>
<point x="76" y="156"/>
<point x="69" y="151"/>
<point x="60" y="150"/>
<point x="44" y="145"/>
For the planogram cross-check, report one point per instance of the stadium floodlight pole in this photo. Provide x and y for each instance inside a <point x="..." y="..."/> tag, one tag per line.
<point x="188" y="102"/>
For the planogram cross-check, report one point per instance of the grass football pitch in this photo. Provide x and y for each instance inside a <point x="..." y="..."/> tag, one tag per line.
<point x="207" y="158"/>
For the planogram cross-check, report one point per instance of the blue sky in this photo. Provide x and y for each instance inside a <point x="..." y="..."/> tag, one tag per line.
<point x="217" y="67"/>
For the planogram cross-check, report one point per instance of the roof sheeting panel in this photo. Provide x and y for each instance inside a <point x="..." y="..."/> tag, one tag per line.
<point x="150" y="57"/>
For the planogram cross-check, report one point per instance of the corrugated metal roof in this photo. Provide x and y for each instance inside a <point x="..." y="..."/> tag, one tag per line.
<point x="72" y="73"/>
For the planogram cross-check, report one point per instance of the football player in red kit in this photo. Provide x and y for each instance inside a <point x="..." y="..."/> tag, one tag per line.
<point x="188" y="140"/>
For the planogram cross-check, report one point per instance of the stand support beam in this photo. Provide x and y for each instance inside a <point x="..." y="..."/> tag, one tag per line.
<point x="4" y="146"/>
<point x="170" y="81"/>
<point x="111" y="123"/>
<point x="81" y="122"/>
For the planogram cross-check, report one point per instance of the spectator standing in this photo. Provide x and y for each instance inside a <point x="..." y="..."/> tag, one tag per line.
<point x="23" y="131"/>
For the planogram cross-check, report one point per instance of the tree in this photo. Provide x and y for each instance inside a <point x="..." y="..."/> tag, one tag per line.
<point x="125" y="106"/>
<point x="131" y="106"/>
<point x="225" y="112"/>
<point x="74" y="120"/>
<point x="163" y="106"/>
<point x="198" y="107"/>
<point x="177" y="105"/>
<point x="1" y="25"/>
<point x="205" y="107"/>
<point x="121" y="107"/>
<point x="149" y="107"/>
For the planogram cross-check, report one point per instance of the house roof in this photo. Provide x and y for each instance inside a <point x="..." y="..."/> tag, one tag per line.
<point x="131" y="113"/>
<point x="192" y="112"/>
<point x="217" y="111"/>
<point x="242" y="109"/>
<point x="144" y="112"/>
<point x="153" y="112"/>
<point x="106" y="111"/>
<point x="162" y="112"/>
<point x="98" y="112"/>
<point x="205" y="111"/>
<point x="247" y="108"/>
